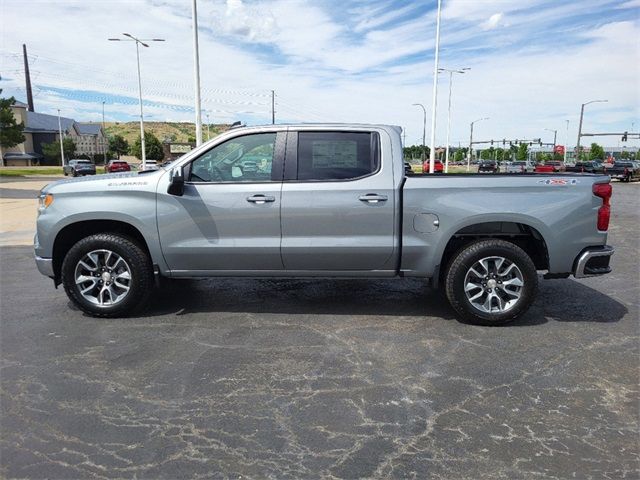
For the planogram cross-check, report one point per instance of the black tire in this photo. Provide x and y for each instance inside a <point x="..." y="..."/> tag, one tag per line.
<point x="140" y="285"/>
<point x="462" y="262"/>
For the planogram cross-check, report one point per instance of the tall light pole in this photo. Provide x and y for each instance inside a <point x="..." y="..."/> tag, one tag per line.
<point x="566" y="142"/>
<point x="424" y="130"/>
<point x="471" y="142"/>
<point x="196" y="74"/>
<point x="451" y="72"/>
<point x="580" y="125"/>
<point x="60" y="133"/>
<point x="104" y="148"/>
<point x="273" y="107"/>
<point x="434" y="101"/>
<point x="555" y="137"/>
<point x="139" y="42"/>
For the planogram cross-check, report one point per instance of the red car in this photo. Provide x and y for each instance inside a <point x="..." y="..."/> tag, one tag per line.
<point x="438" y="167"/>
<point x="552" y="166"/>
<point x="117" y="166"/>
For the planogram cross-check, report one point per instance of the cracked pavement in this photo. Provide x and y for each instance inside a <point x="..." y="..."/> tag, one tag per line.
<point x="248" y="378"/>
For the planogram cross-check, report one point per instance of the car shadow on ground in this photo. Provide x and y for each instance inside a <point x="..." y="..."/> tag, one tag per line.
<point x="558" y="300"/>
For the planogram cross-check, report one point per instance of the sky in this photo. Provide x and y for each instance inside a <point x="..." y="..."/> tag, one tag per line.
<point x="532" y="63"/>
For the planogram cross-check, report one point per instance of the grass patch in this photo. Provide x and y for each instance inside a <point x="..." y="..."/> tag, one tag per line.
<point x="21" y="172"/>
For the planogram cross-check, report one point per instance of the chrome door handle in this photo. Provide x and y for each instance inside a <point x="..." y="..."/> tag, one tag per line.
<point x="373" y="198"/>
<point x="260" y="199"/>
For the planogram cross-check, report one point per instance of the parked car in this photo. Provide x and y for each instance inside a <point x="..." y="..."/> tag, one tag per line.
<point x="518" y="167"/>
<point x="624" y="170"/>
<point x="438" y="166"/>
<point x="77" y="167"/>
<point x="338" y="205"/>
<point x="117" y="166"/>
<point x="149" y="165"/>
<point x="550" y="166"/>
<point x="488" y="166"/>
<point x="585" y="167"/>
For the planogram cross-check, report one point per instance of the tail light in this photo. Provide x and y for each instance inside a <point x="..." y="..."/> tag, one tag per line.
<point x="603" y="190"/>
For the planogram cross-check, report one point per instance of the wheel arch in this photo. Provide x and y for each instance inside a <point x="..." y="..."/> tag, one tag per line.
<point x="519" y="232"/>
<point x="70" y="234"/>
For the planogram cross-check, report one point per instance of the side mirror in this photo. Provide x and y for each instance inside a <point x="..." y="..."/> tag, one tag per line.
<point x="176" y="185"/>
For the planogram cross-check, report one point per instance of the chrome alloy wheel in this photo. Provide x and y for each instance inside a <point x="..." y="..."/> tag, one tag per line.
<point x="103" y="278"/>
<point x="493" y="285"/>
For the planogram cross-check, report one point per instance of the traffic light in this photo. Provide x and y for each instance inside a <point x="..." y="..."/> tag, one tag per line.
<point x="492" y="143"/>
<point x="624" y="136"/>
<point x="504" y="142"/>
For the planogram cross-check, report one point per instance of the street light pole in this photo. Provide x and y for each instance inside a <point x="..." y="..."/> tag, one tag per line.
<point x="451" y="72"/>
<point x="196" y="74"/>
<point x="434" y="101"/>
<point x="104" y="149"/>
<point x="424" y="130"/>
<point x="555" y="137"/>
<point x="60" y="133"/>
<point x="139" y="42"/>
<point x="580" y="125"/>
<point x="566" y="143"/>
<point x="471" y="142"/>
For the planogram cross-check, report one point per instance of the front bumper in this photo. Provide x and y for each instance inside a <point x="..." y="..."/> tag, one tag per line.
<point x="45" y="266"/>
<point x="593" y="261"/>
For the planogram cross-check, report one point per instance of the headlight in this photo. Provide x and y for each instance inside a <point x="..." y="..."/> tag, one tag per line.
<point x="44" y="201"/>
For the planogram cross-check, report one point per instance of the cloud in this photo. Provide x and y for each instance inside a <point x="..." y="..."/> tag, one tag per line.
<point x="250" y="22"/>
<point x="335" y="60"/>
<point x="494" y="21"/>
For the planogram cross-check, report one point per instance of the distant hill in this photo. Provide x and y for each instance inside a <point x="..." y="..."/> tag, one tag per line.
<point x="171" y="131"/>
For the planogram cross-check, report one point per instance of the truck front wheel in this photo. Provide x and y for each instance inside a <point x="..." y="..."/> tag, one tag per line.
<point x="107" y="275"/>
<point x="491" y="282"/>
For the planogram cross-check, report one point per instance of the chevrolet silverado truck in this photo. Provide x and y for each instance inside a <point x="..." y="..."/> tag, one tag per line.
<point x="329" y="200"/>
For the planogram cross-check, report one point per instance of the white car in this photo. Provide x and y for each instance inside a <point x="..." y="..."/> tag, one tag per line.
<point x="149" y="165"/>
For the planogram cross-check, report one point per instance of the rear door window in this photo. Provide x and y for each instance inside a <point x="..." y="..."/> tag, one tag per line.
<point x="326" y="156"/>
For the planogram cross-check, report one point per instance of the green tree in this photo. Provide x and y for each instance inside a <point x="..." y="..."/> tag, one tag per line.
<point x="118" y="145"/>
<point x="523" y="152"/>
<point x="10" y="131"/>
<point x="153" y="147"/>
<point x="415" y="151"/>
<point x="596" y="152"/>
<point x="52" y="150"/>
<point x="460" y="155"/>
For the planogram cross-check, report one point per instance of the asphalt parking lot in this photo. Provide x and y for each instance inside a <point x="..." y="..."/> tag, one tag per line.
<point x="311" y="378"/>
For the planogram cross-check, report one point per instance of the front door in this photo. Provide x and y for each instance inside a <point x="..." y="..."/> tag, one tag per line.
<point x="229" y="216"/>
<point x="337" y="208"/>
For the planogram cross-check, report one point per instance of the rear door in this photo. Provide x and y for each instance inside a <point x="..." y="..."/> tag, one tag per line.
<point x="229" y="216"/>
<point x="337" y="207"/>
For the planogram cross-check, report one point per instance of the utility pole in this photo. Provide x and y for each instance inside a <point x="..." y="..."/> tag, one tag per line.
<point x="139" y="42"/>
<point x="61" y="144"/>
<point x="27" y="78"/>
<point x="424" y="131"/>
<point x="273" y="107"/>
<point x="208" y="137"/>
<point x="580" y="126"/>
<point x="104" y="147"/>
<point x="196" y="74"/>
<point x="434" y="102"/>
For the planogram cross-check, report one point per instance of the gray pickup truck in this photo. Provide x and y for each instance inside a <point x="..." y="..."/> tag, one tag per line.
<point x="320" y="201"/>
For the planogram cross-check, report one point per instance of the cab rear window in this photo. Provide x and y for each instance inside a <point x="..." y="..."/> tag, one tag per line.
<point x="337" y="155"/>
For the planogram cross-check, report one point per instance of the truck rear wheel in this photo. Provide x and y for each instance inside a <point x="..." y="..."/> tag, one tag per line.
<point x="491" y="282"/>
<point x="107" y="275"/>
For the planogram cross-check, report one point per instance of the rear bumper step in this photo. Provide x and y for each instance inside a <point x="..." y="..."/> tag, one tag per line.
<point x="593" y="261"/>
